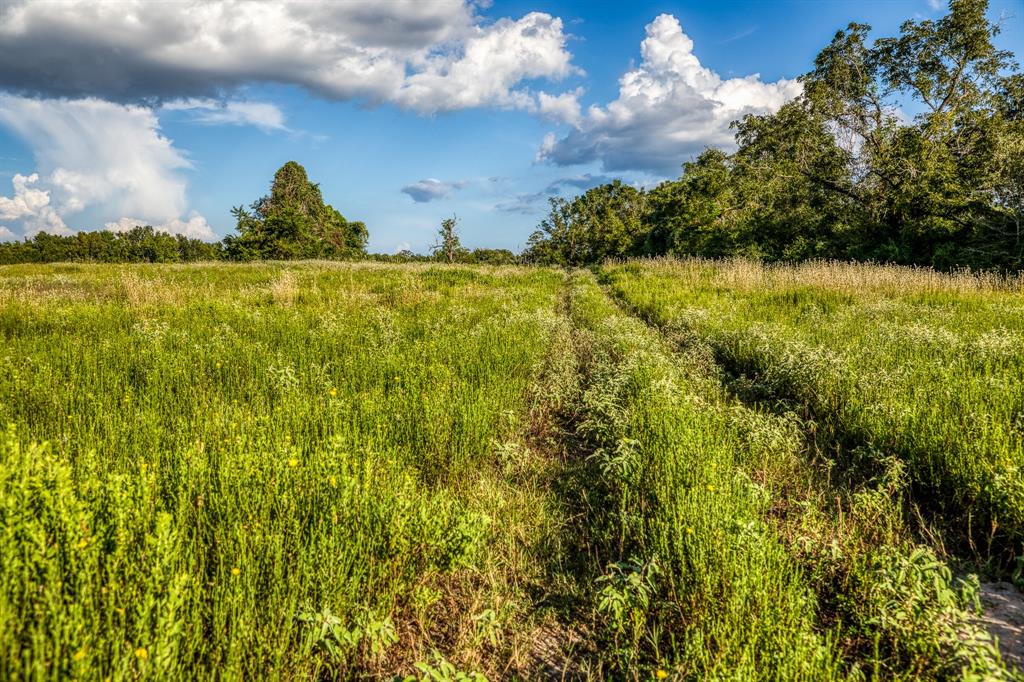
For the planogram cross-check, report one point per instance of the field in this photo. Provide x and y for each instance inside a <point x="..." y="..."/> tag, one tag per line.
<point x="649" y="470"/>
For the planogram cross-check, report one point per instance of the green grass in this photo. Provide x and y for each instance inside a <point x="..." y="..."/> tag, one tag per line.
<point x="902" y="363"/>
<point x="329" y="471"/>
<point x="250" y="471"/>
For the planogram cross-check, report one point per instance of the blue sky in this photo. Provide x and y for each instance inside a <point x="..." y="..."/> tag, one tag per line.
<point x="441" y="100"/>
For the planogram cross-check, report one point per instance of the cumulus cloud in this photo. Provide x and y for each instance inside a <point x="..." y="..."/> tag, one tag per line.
<point x="195" y="227"/>
<point x="30" y="206"/>
<point x="263" y="115"/>
<point x="427" y="56"/>
<point x="492" y="61"/>
<point x="430" y="189"/>
<point x="6" y="235"/>
<point x="93" y="154"/>
<point x="669" y="108"/>
<point x="564" y="108"/>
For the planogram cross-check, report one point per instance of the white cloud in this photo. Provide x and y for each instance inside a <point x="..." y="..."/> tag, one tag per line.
<point x="668" y="109"/>
<point x="564" y="108"/>
<point x="31" y="207"/>
<point x="492" y="61"/>
<point x="403" y="246"/>
<point x="26" y="200"/>
<point x="195" y="227"/>
<point x="430" y="189"/>
<point x="263" y="115"/>
<point x="6" y="235"/>
<point x="92" y="154"/>
<point x="426" y="56"/>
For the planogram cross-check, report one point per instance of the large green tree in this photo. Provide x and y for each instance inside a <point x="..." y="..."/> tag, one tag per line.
<point x="906" y="149"/>
<point x="604" y="222"/>
<point x="293" y="222"/>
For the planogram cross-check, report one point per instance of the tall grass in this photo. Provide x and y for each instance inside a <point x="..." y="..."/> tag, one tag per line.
<point x="911" y="363"/>
<point x="332" y="470"/>
<point x="252" y="471"/>
<point x="731" y="560"/>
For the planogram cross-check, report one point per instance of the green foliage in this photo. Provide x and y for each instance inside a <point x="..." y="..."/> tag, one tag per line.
<point x="253" y="470"/>
<point x="839" y="172"/>
<point x="293" y="222"/>
<point x="138" y="245"/>
<point x="604" y="222"/>
<point x="332" y="471"/>
<point x="448" y="248"/>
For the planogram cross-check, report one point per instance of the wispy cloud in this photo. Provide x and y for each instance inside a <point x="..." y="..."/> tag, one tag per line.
<point x="739" y="36"/>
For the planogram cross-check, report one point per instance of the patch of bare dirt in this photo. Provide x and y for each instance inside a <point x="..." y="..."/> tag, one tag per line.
<point x="1003" y="616"/>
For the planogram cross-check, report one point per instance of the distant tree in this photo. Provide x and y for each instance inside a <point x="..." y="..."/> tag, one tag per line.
<point x="293" y="222"/>
<point x="491" y="257"/>
<point x="448" y="247"/>
<point x="141" y="244"/>
<point x="604" y="222"/>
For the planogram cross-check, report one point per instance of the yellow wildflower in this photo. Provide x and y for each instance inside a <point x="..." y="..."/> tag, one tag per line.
<point x="218" y="365"/>
<point x="78" y="655"/>
<point x="710" y="488"/>
<point x="689" y="530"/>
<point x="333" y="392"/>
<point x="292" y="462"/>
<point x="142" y="653"/>
<point x="235" y="570"/>
<point x="660" y="674"/>
<point x="333" y="480"/>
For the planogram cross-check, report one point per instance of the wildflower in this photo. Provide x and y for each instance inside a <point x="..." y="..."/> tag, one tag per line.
<point x="218" y="365"/>
<point x="660" y="674"/>
<point x="333" y="392"/>
<point x="689" y="530"/>
<point x="333" y="480"/>
<point x="82" y="544"/>
<point x="292" y="462"/>
<point x="78" y="655"/>
<point x="142" y="653"/>
<point x="235" y="570"/>
<point x="710" y="488"/>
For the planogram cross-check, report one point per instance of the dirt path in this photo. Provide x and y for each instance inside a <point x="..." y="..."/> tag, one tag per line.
<point x="1003" y="609"/>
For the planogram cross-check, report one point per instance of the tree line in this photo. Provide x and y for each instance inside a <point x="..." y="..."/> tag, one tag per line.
<point x="905" y="149"/>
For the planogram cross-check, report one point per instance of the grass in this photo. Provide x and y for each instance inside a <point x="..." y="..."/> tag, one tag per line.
<point x="900" y="362"/>
<point x="330" y="471"/>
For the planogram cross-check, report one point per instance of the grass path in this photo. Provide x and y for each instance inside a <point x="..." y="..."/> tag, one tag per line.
<point x="857" y="509"/>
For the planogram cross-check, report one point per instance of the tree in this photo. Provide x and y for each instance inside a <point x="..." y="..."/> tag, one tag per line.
<point x="606" y="221"/>
<point x="448" y="247"/>
<point x="293" y="222"/>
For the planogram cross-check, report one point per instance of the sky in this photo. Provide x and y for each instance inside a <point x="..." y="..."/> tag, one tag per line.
<point x="114" y="114"/>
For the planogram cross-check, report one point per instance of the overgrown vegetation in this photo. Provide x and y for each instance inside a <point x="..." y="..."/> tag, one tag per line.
<point x="448" y="472"/>
<point x="293" y="222"/>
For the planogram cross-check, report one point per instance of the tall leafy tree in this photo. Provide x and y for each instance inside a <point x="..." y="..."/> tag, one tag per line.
<point x="293" y="222"/>
<point x="906" y="149"/>
<point x="606" y="221"/>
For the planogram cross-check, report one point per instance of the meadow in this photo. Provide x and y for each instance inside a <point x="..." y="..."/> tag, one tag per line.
<point x="648" y="470"/>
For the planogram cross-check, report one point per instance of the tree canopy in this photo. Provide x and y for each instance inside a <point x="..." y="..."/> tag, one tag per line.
<point x="907" y="149"/>
<point x="293" y="222"/>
